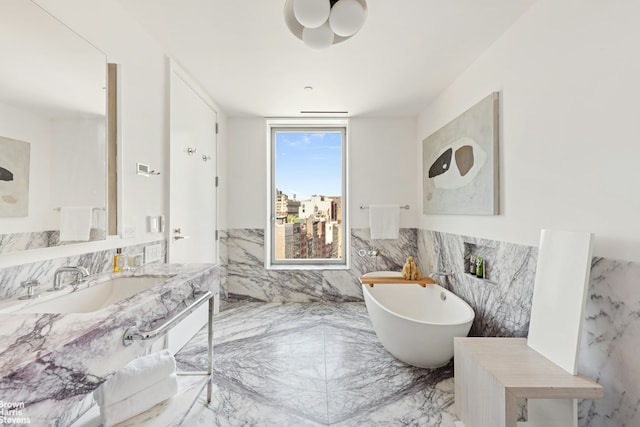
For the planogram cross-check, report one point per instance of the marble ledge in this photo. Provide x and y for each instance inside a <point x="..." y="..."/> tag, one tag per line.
<point x="50" y="361"/>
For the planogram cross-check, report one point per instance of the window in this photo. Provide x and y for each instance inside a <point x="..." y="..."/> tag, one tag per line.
<point x="307" y="203"/>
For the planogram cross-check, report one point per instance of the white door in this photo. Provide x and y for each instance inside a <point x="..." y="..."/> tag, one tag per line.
<point x="192" y="211"/>
<point x="192" y="191"/>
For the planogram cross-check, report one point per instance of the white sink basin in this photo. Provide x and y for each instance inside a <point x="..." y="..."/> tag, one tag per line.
<point x="93" y="298"/>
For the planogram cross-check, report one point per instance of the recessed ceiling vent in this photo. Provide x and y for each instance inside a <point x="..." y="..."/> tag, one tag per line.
<point x="322" y="112"/>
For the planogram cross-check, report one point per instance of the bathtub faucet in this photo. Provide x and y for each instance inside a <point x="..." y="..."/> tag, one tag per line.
<point x="440" y="274"/>
<point x="79" y="271"/>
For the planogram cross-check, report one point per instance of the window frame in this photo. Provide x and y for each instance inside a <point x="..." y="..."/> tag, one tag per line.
<point x="311" y="126"/>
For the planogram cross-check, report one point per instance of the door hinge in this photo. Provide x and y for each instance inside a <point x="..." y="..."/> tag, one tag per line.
<point x="217" y="128"/>
<point x="217" y="235"/>
<point x="217" y="181"/>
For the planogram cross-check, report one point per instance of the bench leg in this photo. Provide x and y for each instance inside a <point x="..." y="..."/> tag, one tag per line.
<point x="552" y="413"/>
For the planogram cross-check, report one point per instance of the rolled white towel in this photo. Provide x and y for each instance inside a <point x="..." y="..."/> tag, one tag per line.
<point x="140" y="402"/>
<point x="136" y="375"/>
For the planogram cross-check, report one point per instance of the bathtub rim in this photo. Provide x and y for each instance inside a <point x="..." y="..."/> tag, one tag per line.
<point x="366" y="288"/>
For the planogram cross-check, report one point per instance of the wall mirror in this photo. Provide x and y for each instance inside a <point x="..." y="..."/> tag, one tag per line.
<point x="53" y="132"/>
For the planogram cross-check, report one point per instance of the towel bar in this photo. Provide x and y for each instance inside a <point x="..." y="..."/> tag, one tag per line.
<point x="401" y="207"/>
<point x="133" y="333"/>
<point x="93" y="208"/>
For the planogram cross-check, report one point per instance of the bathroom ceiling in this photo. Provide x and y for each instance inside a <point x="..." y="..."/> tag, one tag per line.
<point x="243" y="55"/>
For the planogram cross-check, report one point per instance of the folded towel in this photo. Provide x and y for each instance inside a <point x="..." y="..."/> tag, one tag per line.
<point x="384" y="221"/>
<point x="75" y="223"/>
<point x="140" y="402"/>
<point x="135" y="376"/>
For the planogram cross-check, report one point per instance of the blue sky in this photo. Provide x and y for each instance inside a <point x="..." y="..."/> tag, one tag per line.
<point x="308" y="163"/>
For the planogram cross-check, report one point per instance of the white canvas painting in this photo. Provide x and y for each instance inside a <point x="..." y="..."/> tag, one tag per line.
<point x="460" y="163"/>
<point x="14" y="177"/>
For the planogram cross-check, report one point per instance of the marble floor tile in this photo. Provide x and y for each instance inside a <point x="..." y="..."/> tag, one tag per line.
<point x="311" y="364"/>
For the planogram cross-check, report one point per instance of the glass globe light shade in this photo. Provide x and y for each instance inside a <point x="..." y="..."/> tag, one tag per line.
<point x="347" y="17"/>
<point x="311" y="13"/>
<point x="318" y="38"/>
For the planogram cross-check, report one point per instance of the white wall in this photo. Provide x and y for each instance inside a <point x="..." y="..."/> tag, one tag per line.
<point x="382" y="169"/>
<point x="247" y="172"/>
<point x="567" y="73"/>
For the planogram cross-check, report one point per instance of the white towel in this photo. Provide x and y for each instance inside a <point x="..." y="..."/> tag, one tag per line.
<point x="75" y="223"/>
<point x="384" y="221"/>
<point x="135" y="376"/>
<point x="140" y="402"/>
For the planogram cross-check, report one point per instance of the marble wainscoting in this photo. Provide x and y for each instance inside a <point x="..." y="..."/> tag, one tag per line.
<point x="502" y="303"/>
<point x="611" y="330"/>
<point x="43" y="271"/>
<point x="250" y="280"/>
<point x="610" y="344"/>
<point x="16" y="242"/>
<point x="24" y="241"/>
<point x="311" y="364"/>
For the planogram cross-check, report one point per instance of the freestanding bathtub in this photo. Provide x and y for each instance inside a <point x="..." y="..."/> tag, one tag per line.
<point x="417" y="324"/>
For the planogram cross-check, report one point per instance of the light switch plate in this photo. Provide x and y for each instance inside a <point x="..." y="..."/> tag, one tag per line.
<point x="153" y="224"/>
<point x="129" y="232"/>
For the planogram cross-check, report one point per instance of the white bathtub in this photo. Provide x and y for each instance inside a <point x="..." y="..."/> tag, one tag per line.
<point x="417" y="324"/>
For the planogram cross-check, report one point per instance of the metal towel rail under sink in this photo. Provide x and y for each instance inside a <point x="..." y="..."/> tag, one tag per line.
<point x="134" y="334"/>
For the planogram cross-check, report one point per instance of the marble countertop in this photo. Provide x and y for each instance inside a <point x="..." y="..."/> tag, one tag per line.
<point x="54" y="357"/>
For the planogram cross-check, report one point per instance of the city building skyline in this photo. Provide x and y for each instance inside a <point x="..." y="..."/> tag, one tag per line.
<point x="315" y="232"/>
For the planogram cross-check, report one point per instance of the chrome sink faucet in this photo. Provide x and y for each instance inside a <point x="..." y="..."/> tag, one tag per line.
<point x="79" y="271"/>
<point x="29" y="284"/>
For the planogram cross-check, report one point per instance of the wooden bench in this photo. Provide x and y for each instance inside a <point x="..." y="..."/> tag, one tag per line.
<point x="492" y="374"/>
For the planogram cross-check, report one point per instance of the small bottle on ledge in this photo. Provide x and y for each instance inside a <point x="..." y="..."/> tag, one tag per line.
<point x="479" y="267"/>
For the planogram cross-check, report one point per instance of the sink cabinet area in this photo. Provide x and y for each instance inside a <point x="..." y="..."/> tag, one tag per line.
<point x="53" y="355"/>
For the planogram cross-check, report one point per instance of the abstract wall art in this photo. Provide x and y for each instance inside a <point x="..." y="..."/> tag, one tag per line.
<point x="14" y="177"/>
<point x="460" y="163"/>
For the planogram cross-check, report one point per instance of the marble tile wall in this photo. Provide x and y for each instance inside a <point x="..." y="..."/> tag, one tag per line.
<point x="23" y="241"/>
<point x="502" y="302"/>
<point x="611" y="331"/>
<point x="250" y="280"/>
<point x="610" y="344"/>
<point x="95" y="262"/>
<point x="16" y="242"/>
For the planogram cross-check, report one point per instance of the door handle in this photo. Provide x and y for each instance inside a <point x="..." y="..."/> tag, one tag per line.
<point x="180" y="237"/>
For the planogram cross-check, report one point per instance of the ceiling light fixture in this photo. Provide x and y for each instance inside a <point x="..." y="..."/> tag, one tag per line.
<point x="322" y="23"/>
